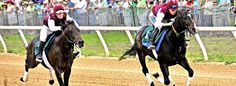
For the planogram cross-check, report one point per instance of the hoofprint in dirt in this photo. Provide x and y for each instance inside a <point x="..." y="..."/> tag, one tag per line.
<point x="104" y="71"/>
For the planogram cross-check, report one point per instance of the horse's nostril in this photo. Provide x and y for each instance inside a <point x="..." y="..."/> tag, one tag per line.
<point x="81" y="42"/>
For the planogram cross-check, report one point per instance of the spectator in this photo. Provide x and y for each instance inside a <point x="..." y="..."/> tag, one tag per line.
<point x="1" y="6"/>
<point x="142" y="12"/>
<point x="127" y="13"/>
<point x="39" y="10"/>
<point x="207" y="17"/>
<point x="81" y="12"/>
<point x="113" y="4"/>
<point x="11" y="10"/>
<point x="17" y="3"/>
<point x="112" y="13"/>
<point x="10" y="6"/>
<point x="196" y="12"/>
<point x="4" y="9"/>
<point x="59" y="2"/>
<point x="91" y="11"/>
<point x="1" y="14"/>
<point x="46" y="8"/>
<point x="134" y="12"/>
<point x="30" y="7"/>
<point x="158" y="2"/>
<point x="69" y="8"/>
<point x="223" y="13"/>
<point x="101" y="12"/>
<point x="189" y="3"/>
<point x="22" y="12"/>
<point x="224" y="3"/>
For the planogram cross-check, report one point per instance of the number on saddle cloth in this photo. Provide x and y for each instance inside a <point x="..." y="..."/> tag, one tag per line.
<point x="146" y="35"/>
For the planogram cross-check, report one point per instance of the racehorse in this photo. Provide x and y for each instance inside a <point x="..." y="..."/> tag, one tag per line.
<point x="171" y="51"/>
<point x="60" y="54"/>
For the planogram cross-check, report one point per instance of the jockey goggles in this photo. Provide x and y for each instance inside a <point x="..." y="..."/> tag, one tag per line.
<point x="60" y="11"/>
<point x="173" y="7"/>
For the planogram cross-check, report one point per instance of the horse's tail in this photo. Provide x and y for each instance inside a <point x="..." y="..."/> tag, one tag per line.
<point x="130" y="52"/>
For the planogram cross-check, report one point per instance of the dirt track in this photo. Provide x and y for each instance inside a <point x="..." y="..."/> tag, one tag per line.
<point x="95" y="71"/>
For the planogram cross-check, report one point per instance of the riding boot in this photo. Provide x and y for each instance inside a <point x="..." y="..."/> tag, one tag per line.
<point x="39" y="50"/>
<point x="152" y="39"/>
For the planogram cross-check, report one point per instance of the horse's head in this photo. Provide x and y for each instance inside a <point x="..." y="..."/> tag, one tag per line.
<point x="73" y="34"/>
<point x="184" y="20"/>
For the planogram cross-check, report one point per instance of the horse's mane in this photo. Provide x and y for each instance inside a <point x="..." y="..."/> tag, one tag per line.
<point x="67" y="23"/>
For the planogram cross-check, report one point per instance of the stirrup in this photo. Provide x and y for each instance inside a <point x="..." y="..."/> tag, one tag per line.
<point x="150" y="47"/>
<point x="39" y="58"/>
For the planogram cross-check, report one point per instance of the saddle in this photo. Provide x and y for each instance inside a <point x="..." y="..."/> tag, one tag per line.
<point x="49" y="41"/>
<point x="147" y="35"/>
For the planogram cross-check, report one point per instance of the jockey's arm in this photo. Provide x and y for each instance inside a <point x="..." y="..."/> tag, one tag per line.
<point x="158" y="18"/>
<point x="52" y="27"/>
<point x="68" y="18"/>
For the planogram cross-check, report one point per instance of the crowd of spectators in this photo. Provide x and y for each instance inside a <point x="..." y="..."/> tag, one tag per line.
<point x="113" y="12"/>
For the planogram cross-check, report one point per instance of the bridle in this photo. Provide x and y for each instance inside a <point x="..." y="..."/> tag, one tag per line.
<point x="70" y="40"/>
<point x="178" y="33"/>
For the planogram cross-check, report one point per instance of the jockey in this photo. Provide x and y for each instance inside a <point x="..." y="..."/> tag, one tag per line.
<point x="165" y="11"/>
<point x="51" y="23"/>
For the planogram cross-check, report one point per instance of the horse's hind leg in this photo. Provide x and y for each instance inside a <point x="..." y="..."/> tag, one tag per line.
<point x="186" y="66"/>
<point x="144" y="67"/>
<point x="51" y="81"/>
<point x="28" y="64"/>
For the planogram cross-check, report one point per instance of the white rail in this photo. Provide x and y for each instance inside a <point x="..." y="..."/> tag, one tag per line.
<point x="119" y="28"/>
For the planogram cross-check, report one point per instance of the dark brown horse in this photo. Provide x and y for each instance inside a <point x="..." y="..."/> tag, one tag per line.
<point x="60" y="55"/>
<point x="172" y="50"/>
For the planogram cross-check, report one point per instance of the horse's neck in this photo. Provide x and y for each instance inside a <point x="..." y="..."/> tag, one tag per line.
<point x="174" y="39"/>
<point x="63" y="42"/>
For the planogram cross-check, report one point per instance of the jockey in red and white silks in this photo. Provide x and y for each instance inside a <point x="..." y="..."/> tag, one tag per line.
<point x="52" y="22"/>
<point x="161" y="12"/>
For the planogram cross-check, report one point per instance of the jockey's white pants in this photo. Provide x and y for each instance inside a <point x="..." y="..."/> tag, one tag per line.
<point x="44" y="33"/>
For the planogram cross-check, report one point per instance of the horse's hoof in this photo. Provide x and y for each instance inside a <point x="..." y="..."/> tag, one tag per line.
<point x="121" y="58"/>
<point x="51" y="82"/>
<point x="156" y="75"/>
<point x="21" y="79"/>
<point x="152" y="84"/>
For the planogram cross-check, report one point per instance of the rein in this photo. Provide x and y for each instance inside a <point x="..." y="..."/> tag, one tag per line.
<point x="176" y="33"/>
<point x="69" y="40"/>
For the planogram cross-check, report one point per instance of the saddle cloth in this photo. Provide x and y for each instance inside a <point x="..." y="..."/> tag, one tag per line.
<point x="158" y="39"/>
<point x="49" y="41"/>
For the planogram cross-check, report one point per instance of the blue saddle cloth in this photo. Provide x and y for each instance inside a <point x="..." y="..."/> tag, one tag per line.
<point x="50" y="40"/>
<point x="158" y="39"/>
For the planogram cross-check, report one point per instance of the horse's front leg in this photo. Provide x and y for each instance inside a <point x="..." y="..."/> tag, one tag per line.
<point x="186" y="66"/>
<point x="59" y="78"/>
<point x="165" y="72"/>
<point x="67" y="75"/>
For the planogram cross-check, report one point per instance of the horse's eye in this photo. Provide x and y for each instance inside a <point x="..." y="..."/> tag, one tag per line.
<point x="184" y="17"/>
